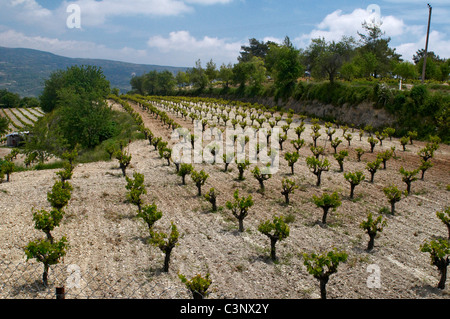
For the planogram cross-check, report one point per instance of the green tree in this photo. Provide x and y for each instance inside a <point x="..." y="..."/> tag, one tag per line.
<point x="327" y="202"/>
<point x="198" y="76"/>
<point x="406" y="70"/>
<point x="4" y="125"/>
<point x="283" y="64"/>
<point x="326" y="58"/>
<point x="372" y="227"/>
<point x="82" y="80"/>
<point x="277" y="230"/>
<point x="373" y="43"/>
<point x="323" y="266"/>
<point x="239" y="207"/>
<point x="226" y="74"/>
<point x="439" y="251"/>
<point x="166" y="243"/>
<point x="45" y="139"/>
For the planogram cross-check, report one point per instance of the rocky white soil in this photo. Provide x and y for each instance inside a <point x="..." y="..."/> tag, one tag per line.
<point x="109" y="244"/>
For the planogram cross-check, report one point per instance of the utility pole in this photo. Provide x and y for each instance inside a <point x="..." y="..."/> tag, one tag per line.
<point x="426" y="45"/>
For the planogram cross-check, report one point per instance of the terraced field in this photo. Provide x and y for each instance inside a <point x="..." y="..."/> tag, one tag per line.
<point x="20" y="117"/>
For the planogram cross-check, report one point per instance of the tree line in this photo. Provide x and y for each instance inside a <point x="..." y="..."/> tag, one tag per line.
<point x="271" y="68"/>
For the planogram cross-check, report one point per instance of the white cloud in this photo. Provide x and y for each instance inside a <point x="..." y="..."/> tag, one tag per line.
<point x="186" y="49"/>
<point x="437" y="43"/>
<point x="338" y="24"/>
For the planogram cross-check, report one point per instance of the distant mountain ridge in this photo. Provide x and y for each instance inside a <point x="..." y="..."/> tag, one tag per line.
<point x="24" y="71"/>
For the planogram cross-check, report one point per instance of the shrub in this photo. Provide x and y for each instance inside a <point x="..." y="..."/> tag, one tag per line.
<point x="327" y="201"/>
<point x="150" y="214"/>
<point x="288" y="187"/>
<point x="60" y="195"/>
<point x="261" y="176"/>
<point x="298" y="144"/>
<point x="211" y="197"/>
<point x="242" y="166"/>
<point x="354" y="179"/>
<point x="281" y="139"/>
<point x="373" y="167"/>
<point x="299" y="130"/>
<point x="291" y="158"/>
<point x="372" y="143"/>
<point x="276" y="230"/>
<point x="424" y="166"/>
<point x="323" y="266"/>
<point x="7" y="167"/>
<point x="47" y="221"/>
<point x="381" y="137"/>
<point x="389" y="131"/>
<point x="185" y="169"/>
<point x="198" y="285"/>
<point x="136" y="189"/>
<point x="199" y="179"/>
<point x="372" y="227"/>
<point x="227" y="159"/>
<point x="349" y="138"/>
<point x="46" y="252"/>
<point x="408" y="177"/>
<point x="340" y="159"/>
<point x="385" y="156"/>
<point x="335" y="143"/>
<point x="317" y="167"/>
<point x="404" y="141"/>
<point x="124" y="160"/>
<point x="444" y="216"/>
<point x="359" y="153"/>
<point x="66" y="174"/>
<point x="166" y="243"/>
<point x="393" y="195"/>
<point x="239" y="208"/>
<point x="439" y="251"/>
<point x="412" y="135"/>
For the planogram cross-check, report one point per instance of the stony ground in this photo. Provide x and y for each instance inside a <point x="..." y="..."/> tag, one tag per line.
<point x="108" y="244"/>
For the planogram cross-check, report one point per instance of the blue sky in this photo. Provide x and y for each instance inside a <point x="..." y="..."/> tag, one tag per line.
<point x="178" y="32"/>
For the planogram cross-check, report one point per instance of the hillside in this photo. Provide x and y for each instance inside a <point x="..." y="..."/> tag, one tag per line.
<point x="108" y="243"/>
<point x="24" y="71"/>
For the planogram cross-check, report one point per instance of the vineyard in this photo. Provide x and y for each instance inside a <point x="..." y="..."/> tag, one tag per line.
<point x="321" y="162"/>
<point x="21" y="117"/>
